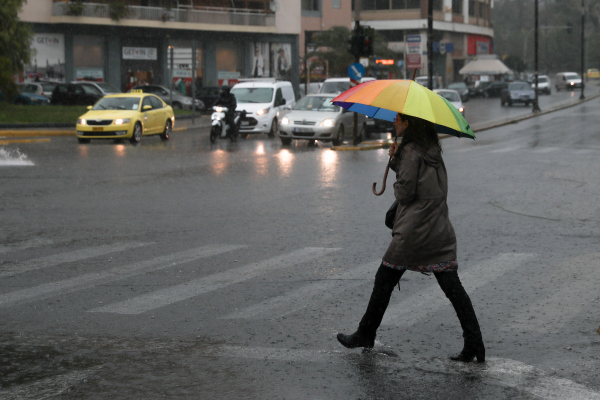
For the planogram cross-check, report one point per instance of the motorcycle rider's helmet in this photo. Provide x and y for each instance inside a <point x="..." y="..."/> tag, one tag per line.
<point x="225" y="90"/>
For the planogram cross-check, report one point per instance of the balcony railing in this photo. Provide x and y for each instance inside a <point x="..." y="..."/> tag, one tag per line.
<point x="207" y="15"/>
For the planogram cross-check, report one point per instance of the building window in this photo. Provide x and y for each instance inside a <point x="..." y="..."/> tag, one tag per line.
<point x="457" y="6"/>
<point x="413" y="3"/>
<point x="310" y="5"/>
<point x="382" y="4"/>
<point x="438" y="4"/>
<point x="398" y="4"/>
<point x="336" y="3"/>
<point x="482" y="8"/>
<point x="368" y="4"/>
<point x="392" y="35"/>
<point x="472" y="8"/>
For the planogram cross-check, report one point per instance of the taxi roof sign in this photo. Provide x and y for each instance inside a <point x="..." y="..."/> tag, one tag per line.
<point x="136" y="91"/>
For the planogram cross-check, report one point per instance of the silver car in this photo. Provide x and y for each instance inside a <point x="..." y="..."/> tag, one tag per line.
<point x="179" y="101"/>
<point x="453" y="97"/>
<point x="314" y="117"/>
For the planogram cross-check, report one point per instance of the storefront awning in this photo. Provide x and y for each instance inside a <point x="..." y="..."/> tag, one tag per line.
<point x="485" y="67"/>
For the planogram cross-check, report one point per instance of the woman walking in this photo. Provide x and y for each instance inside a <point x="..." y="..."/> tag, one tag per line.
<point x="423" y="237"/>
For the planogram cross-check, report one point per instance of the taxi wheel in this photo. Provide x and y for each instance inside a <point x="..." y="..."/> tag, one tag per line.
<point x="137" y="133"/>
<point x="340" y="137"/>
<point x="273" y="132"/>
<point x="166" y="135"/>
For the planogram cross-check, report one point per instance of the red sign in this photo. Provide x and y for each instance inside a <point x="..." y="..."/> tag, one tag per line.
<point x="413" y="61"/>
<point x="385" y="62"/>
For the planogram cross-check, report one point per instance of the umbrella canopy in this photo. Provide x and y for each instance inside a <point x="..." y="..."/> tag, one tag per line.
<point x="384" y="99"/>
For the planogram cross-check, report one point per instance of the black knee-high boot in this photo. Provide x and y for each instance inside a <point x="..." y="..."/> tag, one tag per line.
<point x="385" y="281"/>
<point x="473" y="342"/>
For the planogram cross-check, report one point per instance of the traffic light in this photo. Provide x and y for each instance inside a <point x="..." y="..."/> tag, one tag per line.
<point x="368" y="39"/>
<point x="360" y="43"/>
<point x="355" y="44"/>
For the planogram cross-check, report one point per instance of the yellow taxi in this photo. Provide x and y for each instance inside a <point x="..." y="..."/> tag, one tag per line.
<point x="126" y="116"/>
<point x="593" y="73"/>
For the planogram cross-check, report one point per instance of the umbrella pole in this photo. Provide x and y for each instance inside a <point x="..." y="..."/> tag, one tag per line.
<point x="387" y="167"/>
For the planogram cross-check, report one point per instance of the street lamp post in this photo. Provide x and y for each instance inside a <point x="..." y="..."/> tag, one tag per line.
<point x="582" y="50"/>
<point x="536" y="106"/>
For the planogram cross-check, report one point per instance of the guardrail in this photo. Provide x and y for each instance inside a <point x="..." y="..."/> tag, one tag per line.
<point x="206" y="15"/>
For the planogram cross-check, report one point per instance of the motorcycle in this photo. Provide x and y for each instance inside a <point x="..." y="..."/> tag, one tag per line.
<point x="219" y="126"/>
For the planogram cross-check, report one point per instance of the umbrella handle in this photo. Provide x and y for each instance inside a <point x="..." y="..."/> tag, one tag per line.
<point x="387" y="168"/>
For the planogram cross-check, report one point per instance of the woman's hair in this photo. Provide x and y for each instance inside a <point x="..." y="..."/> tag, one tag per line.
<point x="420" y="132"/>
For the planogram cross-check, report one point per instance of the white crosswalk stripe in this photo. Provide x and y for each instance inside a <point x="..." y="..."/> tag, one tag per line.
<point x="72" y="256"/>
<point x="414" y="308"/>
<point x="97" y="278"/>
<point x="211" y="283"/>
<point x="505" y="149"/>
<point x="516" y="374"/>
<point x="290" y="302"/>
<point x="25" y="245"/>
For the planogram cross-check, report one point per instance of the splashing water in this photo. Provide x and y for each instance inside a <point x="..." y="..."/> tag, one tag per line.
<point x="13" y="157"/>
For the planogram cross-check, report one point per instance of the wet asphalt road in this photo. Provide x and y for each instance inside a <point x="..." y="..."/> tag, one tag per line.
<point x="185" y="270"/>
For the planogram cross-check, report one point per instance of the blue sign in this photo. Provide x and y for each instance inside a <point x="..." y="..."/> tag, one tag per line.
<point x="356" y="71"/>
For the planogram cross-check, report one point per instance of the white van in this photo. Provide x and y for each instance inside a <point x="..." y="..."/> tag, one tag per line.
<point x="339" y="85"/>
<point x="567" y="81"/>
<point x="261" y="99"/>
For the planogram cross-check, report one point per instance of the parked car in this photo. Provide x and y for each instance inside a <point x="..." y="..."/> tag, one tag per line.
<point x="517" y="92"/>
<point x="339" y="85"/>
<point x="262" y="100"/>
<point x="453" y="97"/>
<point x="28" y="95"/>
<point x="102" y="87"/>
<point x="593" y="73"/>
<point x="179" y="101"/>
<point x="126" y="116"/>
<point x="208" y="95"/>
<point x="490" y="89"/>
<point x="48" y="88"/>
<point x="374" y="125"/>
<point x="544" y="84"/>
<point x="567" y="81"/>
<point x="314" y="117"/>
<point x="462" y="90"/>
<point x="71" y="94"/>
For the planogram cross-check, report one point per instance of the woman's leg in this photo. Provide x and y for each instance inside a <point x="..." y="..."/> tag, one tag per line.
<point x="386" y="280"/>
<point x="455" y="292"/>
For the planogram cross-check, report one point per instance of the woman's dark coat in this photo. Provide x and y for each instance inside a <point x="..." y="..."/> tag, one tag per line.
<point x="422" y="234"/>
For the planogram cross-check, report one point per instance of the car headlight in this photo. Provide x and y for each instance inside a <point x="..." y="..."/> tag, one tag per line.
<point x="462" y="109"/>
<point x="262" y="112"/>
<point x="328" y="122"/>
<point x="572" y="83"/>
<point x="81" y="121"/>
<point x="121" y="121"/>
<point x="285" y="121"/>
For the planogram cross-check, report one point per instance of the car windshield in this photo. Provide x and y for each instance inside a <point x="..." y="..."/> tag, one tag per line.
<point x="107" y="87"/>
<point x="253" y="94"/>
<point x="457" y="86"/>
<point x="28" y="88"/>
<point x="542" y="79"/>
<point x="519" y="86"/>
<point x="335" y="87"/>
<point x="450" y="96"/>
<point x="571" y="76"/>
<point x="118" y="103"/>
<point x="316" y="103"/>
<point x="48" y="87"/>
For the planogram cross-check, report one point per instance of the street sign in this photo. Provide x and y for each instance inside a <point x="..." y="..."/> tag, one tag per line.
<point x="442" y="48"/>
<point x="356" y="71"/>
<point x="413" y="56"/>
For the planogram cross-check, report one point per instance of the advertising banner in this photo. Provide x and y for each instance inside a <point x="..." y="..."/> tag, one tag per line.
<point x="140" y="53"/>
<point x="48" y="58"/>
<point x="281" y="58"/>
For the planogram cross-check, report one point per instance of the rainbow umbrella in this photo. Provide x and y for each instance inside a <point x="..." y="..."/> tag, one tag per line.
<point x="384" y="99"/>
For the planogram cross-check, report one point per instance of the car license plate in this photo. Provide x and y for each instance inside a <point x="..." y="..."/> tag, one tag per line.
<point x="97" y="129"/>
<point x="245" y="123"/>
<point x="303" y="130"/>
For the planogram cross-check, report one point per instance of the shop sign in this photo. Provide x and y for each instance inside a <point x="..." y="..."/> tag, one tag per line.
<point x="182" y="73"/>
<point x="139" y="53"/>
<point x="48" y="59"/>
<point x="483" y="47"/>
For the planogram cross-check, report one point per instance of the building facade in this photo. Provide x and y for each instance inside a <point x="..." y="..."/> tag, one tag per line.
<point x="462" y="30"/>
<point x="131" y="42"/>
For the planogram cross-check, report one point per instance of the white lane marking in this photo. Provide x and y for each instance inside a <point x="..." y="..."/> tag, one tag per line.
<point x="299" y="298"/>
<point x="585" y="151"/>
<point x="57" y="259"/>
<point x="170" y="295"/>
<point x="506" y="149"/>
<point x="570" y="292"/>
<point x="516" y="374"/>
<point x="48" y="388"/>
<point x="96" y="278"/>
<point x="544" y="150"/>
<point x="25" y="245"/>
<point x="419" y="305"/>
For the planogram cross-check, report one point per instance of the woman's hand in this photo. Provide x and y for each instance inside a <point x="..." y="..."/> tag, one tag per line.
<point x="392" y="150"/>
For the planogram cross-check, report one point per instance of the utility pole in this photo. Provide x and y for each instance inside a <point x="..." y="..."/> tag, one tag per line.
<point x="193" y="80"/>
<point x="357" y="5"/>
<point x="536" y="105"/>
<point x="429" y="44"/>
<point x="582" y="52"/>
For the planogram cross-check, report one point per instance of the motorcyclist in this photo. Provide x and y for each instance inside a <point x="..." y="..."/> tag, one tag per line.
<point x="226" y="99"/>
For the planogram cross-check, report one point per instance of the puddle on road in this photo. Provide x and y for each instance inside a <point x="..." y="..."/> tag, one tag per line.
<point x="13" y="157"/>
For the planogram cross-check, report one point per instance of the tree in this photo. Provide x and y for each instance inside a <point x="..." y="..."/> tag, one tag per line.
<point x="515" y="63"/>
<point x="15" y="45"/>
